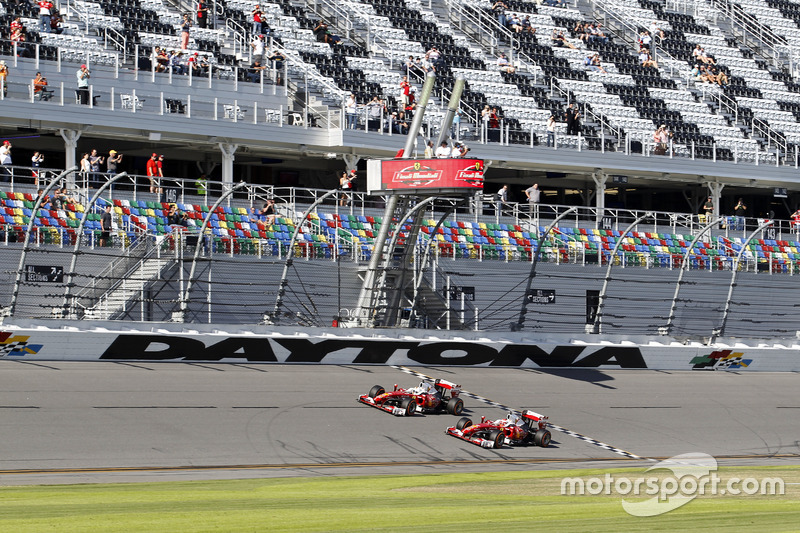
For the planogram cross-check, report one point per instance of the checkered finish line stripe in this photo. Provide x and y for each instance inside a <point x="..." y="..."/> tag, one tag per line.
<point x="574" y="434"/>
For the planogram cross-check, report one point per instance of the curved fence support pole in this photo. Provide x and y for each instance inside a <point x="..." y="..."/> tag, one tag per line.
<point x="601" y="300"/>
<point x="68" y="307"/>
<point x="720" y="331"/>
<point x="289" y="259"/>
<point x="523" y="309"/>
<point x="426" y="253"/>
<point x="684" y="265"/>
<point x="39" y="201"/>
<point x="206" y="220"/>
<point x="396" y="235"/>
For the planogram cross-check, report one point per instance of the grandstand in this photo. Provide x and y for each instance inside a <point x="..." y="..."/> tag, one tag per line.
<point x="282" y="130"/>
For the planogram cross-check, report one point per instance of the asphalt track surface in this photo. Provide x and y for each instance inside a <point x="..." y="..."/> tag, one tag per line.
<point x="78" y="422"/>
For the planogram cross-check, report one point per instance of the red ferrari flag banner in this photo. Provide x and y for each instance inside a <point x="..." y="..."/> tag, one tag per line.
<point x="425" y="174"/>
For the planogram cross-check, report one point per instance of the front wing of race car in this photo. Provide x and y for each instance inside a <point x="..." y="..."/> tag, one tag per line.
<point x="393" y="409"/>
<point x="474" y="438"/>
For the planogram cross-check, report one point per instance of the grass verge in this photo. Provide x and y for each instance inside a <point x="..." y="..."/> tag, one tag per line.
<point x="500" y="501"/>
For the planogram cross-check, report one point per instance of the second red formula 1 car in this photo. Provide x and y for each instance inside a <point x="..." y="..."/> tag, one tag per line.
<point x="429" y="397"/>
<point x="527" y="428"/>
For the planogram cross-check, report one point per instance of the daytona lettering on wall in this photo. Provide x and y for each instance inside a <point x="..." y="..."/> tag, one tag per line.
<point x="355" y="351"/>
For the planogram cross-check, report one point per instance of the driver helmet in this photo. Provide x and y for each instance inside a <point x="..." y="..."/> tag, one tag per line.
<point x="425" y="387"/>
<point x="513" y="419"/>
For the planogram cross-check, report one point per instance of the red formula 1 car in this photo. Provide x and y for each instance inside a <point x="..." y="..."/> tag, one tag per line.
<point x="525" y="429"/>
<point x="428" y="397"/>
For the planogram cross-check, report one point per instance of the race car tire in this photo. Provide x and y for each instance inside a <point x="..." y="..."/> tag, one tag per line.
<point x="463" y="423"/>
<point x="455" y="406"/>
<point x="409" y="406"/>
<point x="497" y="437"/>
<point x="377" y="390"/>
<point x="542" y="438"/>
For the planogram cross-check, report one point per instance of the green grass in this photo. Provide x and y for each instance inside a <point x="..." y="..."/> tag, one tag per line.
<point x="497" y="501"/>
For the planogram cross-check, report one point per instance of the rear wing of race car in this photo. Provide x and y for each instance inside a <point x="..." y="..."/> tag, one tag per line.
<point x="534" y="416"/>
<point x="443" y="384"/>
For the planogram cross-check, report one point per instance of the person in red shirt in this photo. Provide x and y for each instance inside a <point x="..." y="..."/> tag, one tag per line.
<point x="45" y="10"/>
<point x="258" y="19"/>
<point x="153" y="172"/>
<point x="202" y="14"/>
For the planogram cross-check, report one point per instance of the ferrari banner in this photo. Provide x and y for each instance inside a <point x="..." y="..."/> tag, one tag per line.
<point x="424" y="174"/>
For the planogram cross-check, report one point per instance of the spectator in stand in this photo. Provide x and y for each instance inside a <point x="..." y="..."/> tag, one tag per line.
<point x="45" y="10"/>
<point x="112" y="162"/>
<point x="501" y="198"/>
<point x="554" y="3"/>
<point x="455" y="130"/>
<point x="95" y="161"/>
<point x="83" y="76"/>
<point x="443" y="152"/>
<point x="534" y="195"/>
<point x="186" y="25"/>
<point x="558" y="39"/>
<point x="459" y="150"/>
<point x="592" y="62"/>
<point x="699" y="55"/>
<point x="85" y="168"/>
<point x="40" y="87"/>
<point x="257" y="15"/>
<point x="201" y="185"/>
<point x="708" y="210"/>
<point x="278" y="60"/>
<point x="18" y="37"/>
<point x="346" y="184"/>
<point x="160" y="59"/>
<point x="36" y="163"/>
<point x="655" y="30"/>
<point x="551" y="130"/>
<point x="160" y="165"/>
<point x="499" y="9"/>
<point x="4" y="77"/>
<point x="375" y="111"/>
<point x="597" y="33"/>
<point x="494" y="119"/>
<point x="645" y="59"/>
<point x="434" y="57"/>
<point x="515" y="23"/>
<point x="428" y="154"/>
<point x="645" y="39"/>
<point x="153" y="172"/>
<point x="401" y="123"/>
<point x="572" y="117"/>
<point x="105" y="226"/>
<point x="320" y="31"/>
<point x="268" y="211"/>
<point x="176" y="62"/>
<point x="257" y="45"/>
<point x="660" y="139"/>
<point x="5" y="161"/>
<point x="427" y="64"/>
<point x="202" y="14"/>
<point x="255" y="71"/>
<point x="503" y="65"/>
<point x="55" y="20"/>
<point x="527" y="27"/>
<point x="16" y="25"/>
<point x="405" y="91"/>
<point x="351" y="111"/>
<point x="722" y="78"/>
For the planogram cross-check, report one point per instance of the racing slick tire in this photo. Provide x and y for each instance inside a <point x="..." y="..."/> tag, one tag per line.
<point x="455" y="406"/>
<point x="542" y="438"/>
<point x="377" y="390"/>
<point x="463" y="423"/>
<point x="497" y="437"/>
<point x="409" y="406"/>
